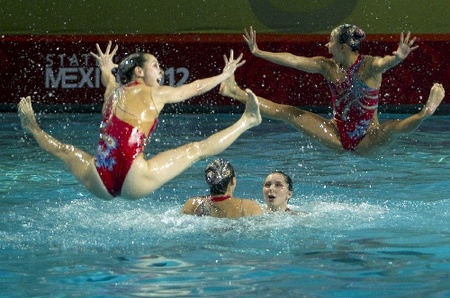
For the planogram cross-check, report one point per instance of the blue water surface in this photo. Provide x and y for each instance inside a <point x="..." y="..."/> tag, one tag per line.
<point x="370" y="227"/>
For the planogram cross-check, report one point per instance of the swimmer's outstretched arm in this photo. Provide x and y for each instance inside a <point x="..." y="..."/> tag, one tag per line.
<point x="169" y="94"/>
<point x="308" y="64"/>
<point x="405" y="47"/>
<point x="106" y="64"/>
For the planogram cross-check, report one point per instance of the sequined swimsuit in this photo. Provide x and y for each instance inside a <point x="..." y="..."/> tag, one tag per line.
<point x="117" y="148"/>
<point x="354" y="104"/>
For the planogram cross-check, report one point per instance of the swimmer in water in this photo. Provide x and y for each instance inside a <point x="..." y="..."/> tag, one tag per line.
<point x="130" y="112"/>
<point x="277" y="191"/>
<point x="221" y="179"/>
<point x="354" y="81"/>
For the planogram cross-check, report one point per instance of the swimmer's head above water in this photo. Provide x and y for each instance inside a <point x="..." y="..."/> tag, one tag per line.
<point x="218" y="175"/>
<point x="277" y="191"/>
<point x="128" y="64"/>
<point x="350" y="35"/>
<point x="137" y="65"/>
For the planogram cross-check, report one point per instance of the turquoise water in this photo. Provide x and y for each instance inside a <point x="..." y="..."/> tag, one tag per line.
<point x="376" y="227"/>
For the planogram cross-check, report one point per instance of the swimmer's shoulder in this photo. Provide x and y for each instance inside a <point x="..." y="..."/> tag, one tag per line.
<point x="251" y="207"/>
<point x="191" y="205"/>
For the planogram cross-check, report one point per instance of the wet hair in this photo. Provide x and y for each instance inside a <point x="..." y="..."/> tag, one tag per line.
<point x="218" y="175"/>
<point x="350" y="35"/>
<point x="287" y="179"/>
<point x="127" y="66"/>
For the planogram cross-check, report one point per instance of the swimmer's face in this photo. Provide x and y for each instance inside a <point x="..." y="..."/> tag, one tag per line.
<point x="333" y="44"/>
<point x="153" y="74"/>
<point x="276" y="192"/>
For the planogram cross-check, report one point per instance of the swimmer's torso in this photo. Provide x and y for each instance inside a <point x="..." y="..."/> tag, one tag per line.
<point x="364" y="73"/>
<point x="129" y="119"/>
<point x="134" y="105"/>
<point x="354" y="104"/>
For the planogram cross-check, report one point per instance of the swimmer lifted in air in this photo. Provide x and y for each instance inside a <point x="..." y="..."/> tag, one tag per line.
<point x="130" y="113"/>
<point x="354" y="81"/>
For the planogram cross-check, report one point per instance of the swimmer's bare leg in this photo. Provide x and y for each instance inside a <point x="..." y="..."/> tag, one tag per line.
<point x="268" y="108"/>
<point x="252" y="114"/>
<point x="230" y="88"/>
<point x="29" y="124"/>
<point x="169" y="164"/>
<point x="221" y="140"/>
<point x="387" y="132"/>
<point x="79" y="162"/>
<point x="45" y="141"/>
<point x="26" y="114"/>
<point x="437" y="93"/>
<point x="313" y="125"/>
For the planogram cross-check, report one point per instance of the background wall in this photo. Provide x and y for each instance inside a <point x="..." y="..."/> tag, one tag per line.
<point x="220" y="16"/>
<point x="45" y="45"/>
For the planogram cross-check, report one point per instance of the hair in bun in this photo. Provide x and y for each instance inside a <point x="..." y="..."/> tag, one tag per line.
<point x="127" y="65"/>
<point x="350" y="35"/>
<point x="218" y="175"/>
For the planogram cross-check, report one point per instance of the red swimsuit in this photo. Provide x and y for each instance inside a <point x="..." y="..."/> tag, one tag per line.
<point x="354" y="104"/>
<point x="117" y="148"/>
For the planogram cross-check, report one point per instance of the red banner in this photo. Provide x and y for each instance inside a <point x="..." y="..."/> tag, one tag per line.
<point x="58" y="70"/>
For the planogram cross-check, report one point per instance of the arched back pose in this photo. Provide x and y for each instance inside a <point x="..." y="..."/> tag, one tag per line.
<point x="130" y="112"/>
<point x="354" y="81"/>
<point x="221" y="179"/>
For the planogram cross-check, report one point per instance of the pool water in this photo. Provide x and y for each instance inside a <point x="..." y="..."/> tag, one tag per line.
<point x="371" y="227"/>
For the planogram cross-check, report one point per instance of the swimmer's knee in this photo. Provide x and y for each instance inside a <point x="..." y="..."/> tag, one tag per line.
<point x="197" y="149"/>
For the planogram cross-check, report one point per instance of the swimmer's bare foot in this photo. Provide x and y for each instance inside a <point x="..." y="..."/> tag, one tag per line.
<point x="229" y="88"/>
<point x="26" y="114"/>
<point x="252" y="109"/>
<point x="437" y="93"/>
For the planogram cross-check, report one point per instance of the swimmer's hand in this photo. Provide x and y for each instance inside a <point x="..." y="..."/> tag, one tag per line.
<point x="250" y="39"/>
<point x="232" y="64"/>
<point x="105" y="59"/>
<point x="405" y="47"/>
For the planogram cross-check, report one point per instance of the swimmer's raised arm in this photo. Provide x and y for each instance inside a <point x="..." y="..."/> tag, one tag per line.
<point x="106" y="65"/>
<point x="307" y="64"/>
<point x="169" y="94"/>
<point x="405" y="47"/>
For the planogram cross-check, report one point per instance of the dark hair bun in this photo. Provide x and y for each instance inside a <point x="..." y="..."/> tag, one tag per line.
<point x="351" y="35"/>
<point x="217" y="171"/>
<point x="127" y="64"/>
